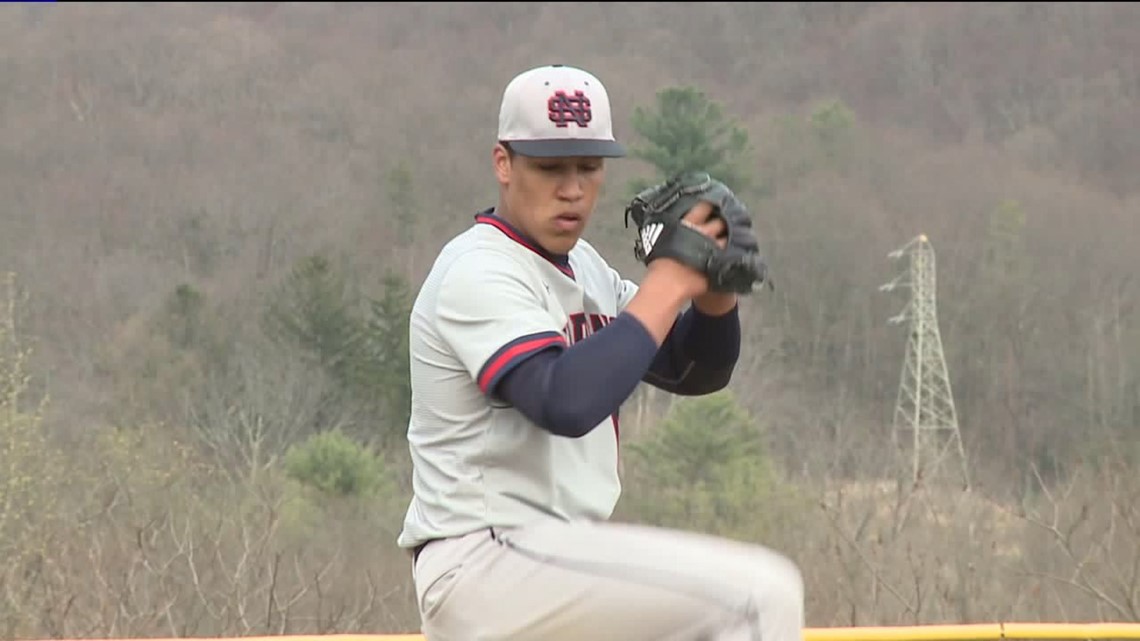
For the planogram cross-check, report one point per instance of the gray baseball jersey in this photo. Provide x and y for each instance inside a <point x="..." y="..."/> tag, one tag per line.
<point x="490" y="300"/>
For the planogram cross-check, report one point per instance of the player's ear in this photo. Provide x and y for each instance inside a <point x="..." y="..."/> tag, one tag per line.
<point x="501" y="158"/>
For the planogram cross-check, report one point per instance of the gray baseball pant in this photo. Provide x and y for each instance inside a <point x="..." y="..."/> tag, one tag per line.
<point x="557" y="581"/>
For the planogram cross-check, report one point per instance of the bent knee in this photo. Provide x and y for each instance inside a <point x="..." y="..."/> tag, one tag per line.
<point x="777" y="580"/>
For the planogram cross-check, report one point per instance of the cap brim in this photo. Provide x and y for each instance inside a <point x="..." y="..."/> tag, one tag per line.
<point x="555" y="148"/>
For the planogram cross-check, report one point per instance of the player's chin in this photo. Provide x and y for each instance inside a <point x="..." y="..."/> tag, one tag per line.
<point x="561" y="242"/>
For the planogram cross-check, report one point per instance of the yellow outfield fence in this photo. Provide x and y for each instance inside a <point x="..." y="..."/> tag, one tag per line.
<point x="967" y="632"/>
<point x="978" y="632"/>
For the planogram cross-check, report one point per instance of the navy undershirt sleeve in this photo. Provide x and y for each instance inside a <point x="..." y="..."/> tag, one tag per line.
<point x="571" y="391"/>
<point x="699" y="354"/>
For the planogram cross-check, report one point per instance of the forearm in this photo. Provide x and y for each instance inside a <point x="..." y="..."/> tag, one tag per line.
<point x="713" y="338"/>
<point x="569" y="392"/>
<point x="658" y="301"/>
<point x="700" y="353"/>
<point x="715" y="303"/>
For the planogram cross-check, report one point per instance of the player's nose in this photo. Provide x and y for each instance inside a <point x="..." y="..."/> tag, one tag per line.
<point x="572" y="187"/>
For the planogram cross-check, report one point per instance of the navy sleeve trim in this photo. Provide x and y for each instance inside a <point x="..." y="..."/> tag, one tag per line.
<point x="510" y="355"/>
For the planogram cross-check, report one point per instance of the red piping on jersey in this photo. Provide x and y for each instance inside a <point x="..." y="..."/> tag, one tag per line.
<point x="506" y="357"/>
<point x="489" y="218"/>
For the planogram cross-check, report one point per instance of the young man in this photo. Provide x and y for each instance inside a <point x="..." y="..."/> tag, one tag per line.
<point x="524" y="344"/>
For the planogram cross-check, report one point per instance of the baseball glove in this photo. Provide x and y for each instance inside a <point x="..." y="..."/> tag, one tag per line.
<point x="658" y="212"/>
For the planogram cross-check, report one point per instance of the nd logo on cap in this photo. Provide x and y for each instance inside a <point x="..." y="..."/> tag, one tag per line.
<point x="558" y="110"/>
<point x="565" y="109"/>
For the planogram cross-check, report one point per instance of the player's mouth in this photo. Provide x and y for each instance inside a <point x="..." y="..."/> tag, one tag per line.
<point x="568" y="221"/>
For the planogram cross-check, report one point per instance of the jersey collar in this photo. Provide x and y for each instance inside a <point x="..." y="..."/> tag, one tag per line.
<point x="489" y="217"/>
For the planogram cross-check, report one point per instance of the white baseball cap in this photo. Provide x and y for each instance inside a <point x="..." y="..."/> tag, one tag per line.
<point x="557" y="110"/>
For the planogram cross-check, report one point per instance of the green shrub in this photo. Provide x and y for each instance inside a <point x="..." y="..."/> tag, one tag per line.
<point x="334" y="464"/>
<point x="706" y="467"/>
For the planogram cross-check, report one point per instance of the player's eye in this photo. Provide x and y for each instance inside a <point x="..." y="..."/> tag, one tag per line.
<point x="566" y="167"/>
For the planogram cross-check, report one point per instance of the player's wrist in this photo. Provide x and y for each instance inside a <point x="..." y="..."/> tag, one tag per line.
<point x="715" y="303"/>
<point x="672" y="274"/>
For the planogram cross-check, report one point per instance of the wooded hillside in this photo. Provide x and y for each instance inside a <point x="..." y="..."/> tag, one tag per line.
<point x="217" y="215"/>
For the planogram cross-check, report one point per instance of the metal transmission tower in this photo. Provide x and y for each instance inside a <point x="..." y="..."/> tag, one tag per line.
<point x="925" y="404"/>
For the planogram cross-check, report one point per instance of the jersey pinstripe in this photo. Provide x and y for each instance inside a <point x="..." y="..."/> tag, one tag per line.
<point x="490" y="300"/>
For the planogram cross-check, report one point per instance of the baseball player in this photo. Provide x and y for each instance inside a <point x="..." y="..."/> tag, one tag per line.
<point x="524" y="344"/>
